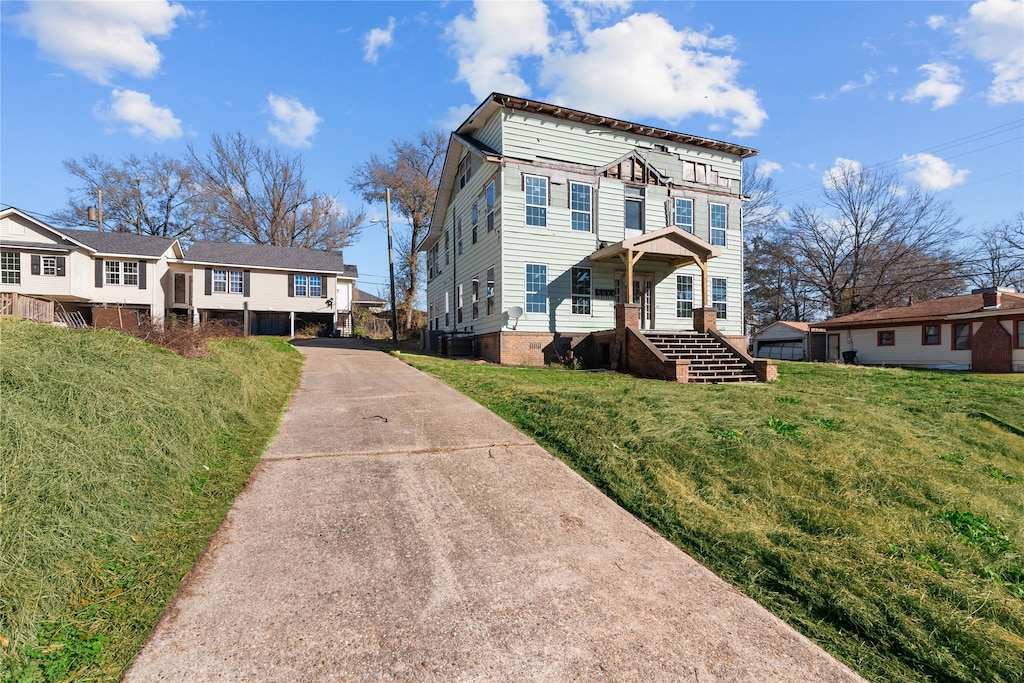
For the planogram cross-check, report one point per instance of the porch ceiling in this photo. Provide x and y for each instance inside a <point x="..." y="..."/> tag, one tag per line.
<point x="671" y="244"/>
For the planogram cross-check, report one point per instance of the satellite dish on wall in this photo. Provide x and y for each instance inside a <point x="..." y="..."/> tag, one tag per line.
<point x="515" y="313"/>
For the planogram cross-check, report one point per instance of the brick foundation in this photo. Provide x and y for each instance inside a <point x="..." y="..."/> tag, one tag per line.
<point x="537" y="348"/>
<point x="991" y="348"/>
<point x="705" y="319"/>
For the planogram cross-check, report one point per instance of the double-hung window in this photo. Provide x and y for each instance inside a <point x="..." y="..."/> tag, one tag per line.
<point x="931" y="335"/>
<point x="684" y="214"/>
<point x="489" y="199"/>
<point x="536" y="288"/>
<point x="720" y="296"/>
<point x="458" y="235"/>
<point x="961" y="336"/>
<point x="474" y="219"/>
<point x="580" y="205"/>
<point x="474" y="293"/>
<point x="316" y="285"/>
<point x="121" y="273"/>
<point x="458" y="305"/>
<point x="301" y="285"/>
<point x="236" y="282"/>
<point x="536" y="200"/>
<point x="718" y="221"/>
<point x="490" y="291"/>
<point x="10" y="267"/>
<point x="220" y="281"/>
<point x="49" y="265"/>
<point x="581" y="291"/>
<point x="684" y="296"/>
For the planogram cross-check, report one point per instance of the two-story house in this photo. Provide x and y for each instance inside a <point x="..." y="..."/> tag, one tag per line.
<point x="115" y="279"/>
<point x="555" y="227"/>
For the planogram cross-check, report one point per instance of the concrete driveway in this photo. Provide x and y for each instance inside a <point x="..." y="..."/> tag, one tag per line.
<point x="397" y="531"/>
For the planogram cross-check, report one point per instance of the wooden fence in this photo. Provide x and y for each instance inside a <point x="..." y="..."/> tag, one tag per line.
<point x="27" y="307"/>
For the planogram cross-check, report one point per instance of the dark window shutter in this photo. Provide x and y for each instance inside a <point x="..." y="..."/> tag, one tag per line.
<point x="142" y="274"/>
<point x="291" y="285"/>
<point x="61" y="266"/>
<point x="36" y="268"/>
<point x="99" y="272"/>
<point x="245" y="282"/>
<point x="209" y="281"/>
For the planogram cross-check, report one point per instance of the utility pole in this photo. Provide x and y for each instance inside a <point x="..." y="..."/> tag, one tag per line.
<point x="391" y="267"/>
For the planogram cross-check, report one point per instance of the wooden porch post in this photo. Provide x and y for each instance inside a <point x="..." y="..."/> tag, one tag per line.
<point x="630" y="260"/>
<point x="703" y="265"/>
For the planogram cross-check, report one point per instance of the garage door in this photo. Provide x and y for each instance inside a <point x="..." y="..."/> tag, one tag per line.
<point x="781" y="350"/>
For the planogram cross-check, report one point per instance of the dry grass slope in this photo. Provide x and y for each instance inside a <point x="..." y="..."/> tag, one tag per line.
<point x="118" y="461"/>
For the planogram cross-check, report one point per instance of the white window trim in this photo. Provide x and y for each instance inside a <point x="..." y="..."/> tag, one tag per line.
<point x="11" y="267"/>
<point x="528" y="205"/>
<point x="675" y="213"/>
<point x="589" y="296"/>
<point x="724" y="230"/>
<point x="220" y="281"/>
<point x="526" y="279"/>
<point x="679" y="300"/>
<point x="724" y="302"/>
<point x="589" y="213"/>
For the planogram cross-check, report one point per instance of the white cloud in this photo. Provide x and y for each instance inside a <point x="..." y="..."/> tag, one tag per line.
<point x="97" y="39"/>
<point x="643" y="66"/>
<point x="936" y="21"/>
<point x="769" y="167"/>
<point x="942" y="85"/>
<point x="933" y="173"/>
<point x="868" y="79"/>
<point x="294" y="124"/>
<point x="639" y="67"/>
<point x="841" y="168"/>
<point x="378" y="38"/>
<point x="585" y="12"/>
<point x="490" y="45"/>
<point x="144" y="119"/>
<point x="991" y="32"/>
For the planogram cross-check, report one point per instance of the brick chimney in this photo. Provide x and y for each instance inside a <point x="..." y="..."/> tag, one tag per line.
<point x="991" y="298"/>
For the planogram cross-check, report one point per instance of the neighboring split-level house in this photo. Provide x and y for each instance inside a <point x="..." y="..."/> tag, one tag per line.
<point x="982" y="331"/>
<point x="115" y="279"/>
<point x="549" y="220"/>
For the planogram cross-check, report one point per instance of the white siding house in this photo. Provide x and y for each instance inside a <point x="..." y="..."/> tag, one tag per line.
<point x="547" y="218"/>
<point x="114" y="279"/>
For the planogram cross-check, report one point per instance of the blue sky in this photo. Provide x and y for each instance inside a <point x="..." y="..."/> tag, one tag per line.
<point x="934" y="90"/>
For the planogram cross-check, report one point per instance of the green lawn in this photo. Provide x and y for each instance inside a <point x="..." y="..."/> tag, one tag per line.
<point x="879" y="511"/>
<point x="118" y="460"/>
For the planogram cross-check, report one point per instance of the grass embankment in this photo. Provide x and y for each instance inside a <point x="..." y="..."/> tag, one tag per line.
<point x="880" y="512"/>
<point x="118" y="460"/>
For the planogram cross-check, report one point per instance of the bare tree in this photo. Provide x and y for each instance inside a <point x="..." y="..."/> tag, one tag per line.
<point x="875" y="242"/>
<point x="151" y="195"/>
<point x="251" y="194"/>
<point x="1000" y="260"/>
<point x="412" y="170"/>
<point x="761" y="210"/>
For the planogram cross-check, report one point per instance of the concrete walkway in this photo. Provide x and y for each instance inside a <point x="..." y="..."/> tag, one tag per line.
<point x="397" y="531"/>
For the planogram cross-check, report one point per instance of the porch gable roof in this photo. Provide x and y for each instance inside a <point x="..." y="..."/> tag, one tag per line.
<point x="671" y="244"/>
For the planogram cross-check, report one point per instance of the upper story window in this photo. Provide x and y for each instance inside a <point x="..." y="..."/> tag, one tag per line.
<point x="684" y="296"/>
<point x="49" y="265"/>
<point x="536" y="288"/>
<point x="580" y="196"/>
<point x="489" y="199"/>
<point x="301" y="285"/>
<point x="316" y="285"/>
<point x="718" y="220"/>
<point x="458" y="235"/>
<point x="581" y="291"/>
<point x="465" y="171"/>
<point x="10" y="267"/>
<point x="490" y="290"/>
<point x="474" y="219"/>
<point x="536" y="188"/>
<point x="121" y="273"/>
<point x="447" y="248"/>
<point x="634" y="218"/>
<point x="220" y="281"/>
<point x="719" y="296"/>
<point x="684" y="214"/>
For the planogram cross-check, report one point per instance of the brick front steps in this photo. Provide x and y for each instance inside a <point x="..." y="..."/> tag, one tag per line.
<point x="710" y="359"/>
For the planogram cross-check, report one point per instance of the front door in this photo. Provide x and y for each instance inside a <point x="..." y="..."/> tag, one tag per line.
<point x="643" y="294"/>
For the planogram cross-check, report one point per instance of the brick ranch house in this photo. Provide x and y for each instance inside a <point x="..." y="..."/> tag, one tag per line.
<point x="982" y="331"/>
